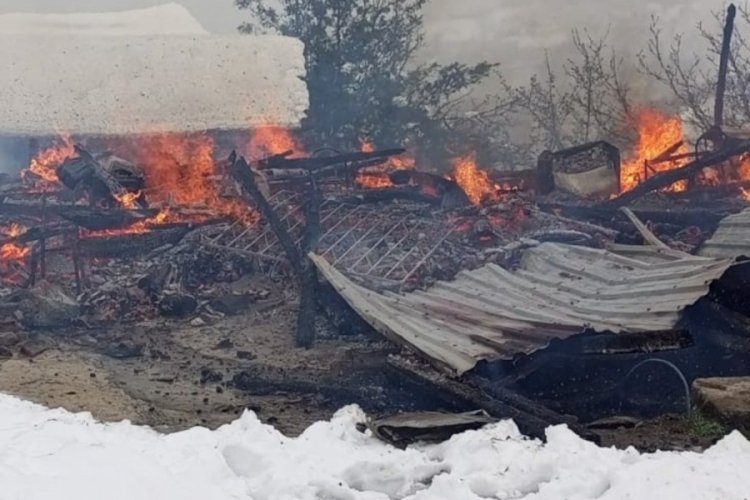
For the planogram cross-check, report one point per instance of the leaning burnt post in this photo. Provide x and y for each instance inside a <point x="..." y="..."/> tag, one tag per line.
<point x="243" y="174"/>
<point x="309" y="278"/>
<point x="303" y="268"/>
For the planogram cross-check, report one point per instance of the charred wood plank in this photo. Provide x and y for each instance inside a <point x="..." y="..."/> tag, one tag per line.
<point x="127" y="245"/>
<point x="648" y="236"/>
<point x="702" y="217"/>
<point x="95" y="219"/>
<point x="532" y="418"/>
<point x="281" y="162"/>
<point x="665" y="179"/>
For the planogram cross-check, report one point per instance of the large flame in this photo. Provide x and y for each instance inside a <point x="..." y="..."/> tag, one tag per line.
<point x="44" y="164"/>
<point x="180" y="170"/>
<point x="476" y="183"/>
<point x="657" y="134"/>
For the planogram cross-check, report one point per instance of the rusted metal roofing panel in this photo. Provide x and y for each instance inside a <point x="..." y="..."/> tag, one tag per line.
<point x="731" y="239"/>
<point x="559" y="290"/>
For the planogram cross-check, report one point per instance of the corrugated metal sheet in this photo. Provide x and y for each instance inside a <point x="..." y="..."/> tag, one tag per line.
<point x="492" y="314"/>
<point x="731" y="239"/>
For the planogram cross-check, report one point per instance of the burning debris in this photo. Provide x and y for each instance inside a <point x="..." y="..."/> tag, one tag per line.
<point x="487" y="275"/>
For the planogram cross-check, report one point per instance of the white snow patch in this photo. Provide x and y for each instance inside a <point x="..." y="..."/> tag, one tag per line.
<point x="53" y="454"/>
<point x="168" y="19"/>
<point x="134" y="84"/>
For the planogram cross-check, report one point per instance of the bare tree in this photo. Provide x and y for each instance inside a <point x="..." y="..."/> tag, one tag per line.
<point x="588" y="101"/>
<point x="599" y="96"/>
<point x="692" y="77"/>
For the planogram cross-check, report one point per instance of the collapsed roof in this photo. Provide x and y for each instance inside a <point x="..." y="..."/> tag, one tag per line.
<point x="559" y="291"/>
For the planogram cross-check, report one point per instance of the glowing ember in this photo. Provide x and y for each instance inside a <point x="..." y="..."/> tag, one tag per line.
<point x="15" y="230"/>
<point x="374" y="180"/>
<point x="377" y="177"/>
<point x="12" y="254"/>
<point x="44" y="164"/>
<point x="475" y="183"/>
<point x="128" y="201"/>
<point x="657" y="134"/>
<point x="745" y="194"/>
<point x="269" y="140"/>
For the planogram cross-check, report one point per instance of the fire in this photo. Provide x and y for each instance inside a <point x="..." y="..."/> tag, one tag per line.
<point x="12" y="253"/>
<point x="129" y="201"/>
<point x="657" y="134"/>
<point x="271" y="140"/>
<point x="374" y="180"/>
<point x="15" y="230"/>
<point x="180" y="169"/>
<point x="377" y="177"/>
<point x="44" y="164"/>
<point x="475" y="183"/>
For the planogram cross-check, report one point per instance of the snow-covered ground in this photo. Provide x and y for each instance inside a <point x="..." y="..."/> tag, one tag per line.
<point x="51" y="454"/>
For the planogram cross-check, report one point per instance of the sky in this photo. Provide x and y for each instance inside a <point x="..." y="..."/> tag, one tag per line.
<point x="515" y="33"/>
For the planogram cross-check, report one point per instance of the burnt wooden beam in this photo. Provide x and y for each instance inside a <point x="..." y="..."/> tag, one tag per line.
<point x="665" y="179"/>
<point x="309" y="276"/>
<point x="531" y="418"/>
<point x="702" y="217"/>
<point x="282" y="162"/>
<point x="241" y="171"/>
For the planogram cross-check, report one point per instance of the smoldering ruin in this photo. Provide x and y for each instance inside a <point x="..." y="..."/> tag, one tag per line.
<point x="182" y="271"/>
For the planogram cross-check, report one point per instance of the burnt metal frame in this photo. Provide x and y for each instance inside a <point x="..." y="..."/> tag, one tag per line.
<point x="388" y="246"/>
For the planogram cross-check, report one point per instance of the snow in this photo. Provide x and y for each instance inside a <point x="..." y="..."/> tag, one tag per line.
<point x="168" y="19"/>
<point x="51" y="454"/>
<point x="131" y="84"/>
<point x="150" y="70"/>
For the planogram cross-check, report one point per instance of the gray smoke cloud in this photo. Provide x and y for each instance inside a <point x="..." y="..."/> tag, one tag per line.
<point x="516" y="33"/>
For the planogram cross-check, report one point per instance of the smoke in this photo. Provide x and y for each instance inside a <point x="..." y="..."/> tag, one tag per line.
<point x="517" y="33"/>
<point x="14" y="154"/>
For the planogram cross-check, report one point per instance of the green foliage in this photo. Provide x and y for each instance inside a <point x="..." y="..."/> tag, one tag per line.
<point x="704" y="427"/>
<point x="362" y="75"/>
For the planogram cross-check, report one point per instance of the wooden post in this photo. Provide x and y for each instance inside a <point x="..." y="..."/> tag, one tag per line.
<point x="726" y="52"/>
<point x="309" y="279"/>
<point x="43" y="242"/>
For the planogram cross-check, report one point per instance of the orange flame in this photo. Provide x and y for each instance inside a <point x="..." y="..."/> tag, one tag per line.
<point x="128" y="200"/>
<point x="271" y="140"/>
<point x="44" y="165"/>
<point x="180" y="170"/>
<point x="13" y="253"/>
<point x="657" y="133"/>
<point x="377" y="177"/>
<point x="475" y="183"/>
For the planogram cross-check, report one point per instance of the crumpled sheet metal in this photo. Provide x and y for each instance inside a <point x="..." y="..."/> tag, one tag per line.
<point x="559" y="291"/>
